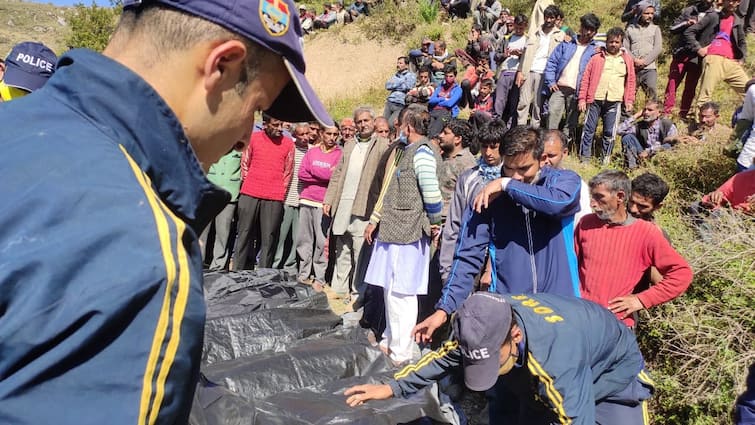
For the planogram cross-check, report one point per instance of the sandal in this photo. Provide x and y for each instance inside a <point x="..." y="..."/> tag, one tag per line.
<point x="317" y="286"/>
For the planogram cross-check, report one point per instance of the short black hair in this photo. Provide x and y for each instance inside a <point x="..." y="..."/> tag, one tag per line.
<point x="462" y="129"/>
<point x="491" y="133"/>
<point x="650" y="186"/>
<point x="615" y="32"/>
<point x="590" y="21"/>
<point x="522" y="139"/>
<point x="552" y="11"/>
<point x="520" y="19"/>
<point x="710" y="105"/>
<point x="449" y="68"/>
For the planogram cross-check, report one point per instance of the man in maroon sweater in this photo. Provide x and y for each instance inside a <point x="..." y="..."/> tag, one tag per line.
<point x="266" y="169"/>
<point x="614" y="249"/>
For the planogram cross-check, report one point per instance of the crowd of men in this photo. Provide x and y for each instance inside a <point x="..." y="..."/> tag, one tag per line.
<point x="405" y="215"/>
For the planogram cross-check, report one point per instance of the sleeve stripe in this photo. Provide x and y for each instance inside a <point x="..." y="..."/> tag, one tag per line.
<point x="163" y="231"/>
<point x="179" y="308"/>
<point x="555" y="397"/>
<point x="447" y="347"/>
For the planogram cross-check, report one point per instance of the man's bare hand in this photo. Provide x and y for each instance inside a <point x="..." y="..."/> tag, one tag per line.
<point x="582" y="106"/>
<point x="423" y="331"/>
<point x="717" y="198"/>
<point x="625" y="306"/>
<point x="358" y="394"/>
<point x="368" y="231"/>
<point x="326" y="210"/>
<point x="488" y="194"/>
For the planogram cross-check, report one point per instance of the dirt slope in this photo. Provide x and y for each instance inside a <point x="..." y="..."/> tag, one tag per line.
<point x="341" y="63"/>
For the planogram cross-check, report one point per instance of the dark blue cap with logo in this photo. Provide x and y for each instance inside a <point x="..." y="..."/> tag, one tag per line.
<point x="481" y="325"/>
<point x="273" y="24"/>
<point x="29" y="65"/>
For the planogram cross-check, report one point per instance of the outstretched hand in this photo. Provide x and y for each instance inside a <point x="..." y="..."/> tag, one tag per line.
<point x="423" y="331"/>
<point x="358" y="394"/>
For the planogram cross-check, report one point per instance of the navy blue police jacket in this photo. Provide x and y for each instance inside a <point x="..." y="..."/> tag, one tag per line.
<point x="575" y="354"/>
<point x="528" y="232"/>
<point x="101" y="303"/>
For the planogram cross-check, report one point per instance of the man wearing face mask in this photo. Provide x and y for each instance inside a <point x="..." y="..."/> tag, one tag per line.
<point x="564" y="360"/>
<point x="609" y="279"/>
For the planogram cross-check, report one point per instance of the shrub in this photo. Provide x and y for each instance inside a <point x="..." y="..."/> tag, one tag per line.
<point x="91" y="27"/>
<point x="699" y="347"/>
<point x="428" y="11"/>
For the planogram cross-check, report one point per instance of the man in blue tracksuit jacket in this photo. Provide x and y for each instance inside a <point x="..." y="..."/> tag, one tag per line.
<point x="101" y="301"/>
<point x="566" y="360"/>
<point x="563" y="87"/>
<point x="528" y="232"/>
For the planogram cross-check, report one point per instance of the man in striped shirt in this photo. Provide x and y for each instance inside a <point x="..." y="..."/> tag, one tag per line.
<point x="409" y="214"/>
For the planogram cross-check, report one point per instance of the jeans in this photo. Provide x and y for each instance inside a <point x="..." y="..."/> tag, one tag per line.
<point x="610" y="112"/>
<point x="632" y="147"/>
<point x="506" y="98"/>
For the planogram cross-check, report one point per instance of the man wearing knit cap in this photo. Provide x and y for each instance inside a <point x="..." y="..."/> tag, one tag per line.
<point x="560" y="359"/>
<point x="105" y="195"/>
<point x="27" y="68"/>
<point x="644" y="42"/>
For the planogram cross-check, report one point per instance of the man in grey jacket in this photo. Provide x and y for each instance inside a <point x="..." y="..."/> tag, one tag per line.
<point x="643" y="41"/>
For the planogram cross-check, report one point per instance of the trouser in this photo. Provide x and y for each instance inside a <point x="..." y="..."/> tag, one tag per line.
<point x="647" y="80"/>
<point x="627" y="407"/>
<point x="391" y="112"/>
<point x="530" y="100"/>
<point x="632" y="148"/>
<point x="682" y="68"/>
<point x="401" y="316"/>
<point x="467" y="98"/>
<point x="610" y="113"/>
<point x="285" y="253"/>
<point x="563" y="100"/>
<point x="715" y="69"/>
<point x="221" y="226"/>
<point x="310" y="242"/>
<point x="259" y="222"/>
<point x="506" y="98"/>
<point x="348" y="251"/>
<point x="484" y="20"/>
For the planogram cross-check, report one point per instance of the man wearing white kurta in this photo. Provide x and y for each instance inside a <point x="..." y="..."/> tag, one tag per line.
<point x="409" y="215"/>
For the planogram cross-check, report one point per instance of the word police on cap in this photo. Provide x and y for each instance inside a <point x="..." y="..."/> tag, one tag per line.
<point x="35" y="61"/>
<point x="476" y="354"/>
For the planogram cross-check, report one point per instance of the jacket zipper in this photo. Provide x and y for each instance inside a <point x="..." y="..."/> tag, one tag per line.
<point x="532" y="249"/>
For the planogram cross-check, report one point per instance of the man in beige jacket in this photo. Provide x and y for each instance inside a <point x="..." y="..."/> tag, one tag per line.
<point x="351" y="197"/>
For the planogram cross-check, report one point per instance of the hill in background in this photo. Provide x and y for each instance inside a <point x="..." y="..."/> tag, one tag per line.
<point x="25" y="21"/>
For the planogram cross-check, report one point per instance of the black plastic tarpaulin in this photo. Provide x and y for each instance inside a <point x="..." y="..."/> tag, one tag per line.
<point x="275" y="353"/>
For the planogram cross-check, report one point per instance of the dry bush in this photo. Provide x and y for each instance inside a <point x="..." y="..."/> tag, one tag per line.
<point x="699" y="346"/>
<point x="692" y="169"/>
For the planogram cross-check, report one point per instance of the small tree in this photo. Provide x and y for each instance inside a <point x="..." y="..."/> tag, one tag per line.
<point x="92" y="26"/>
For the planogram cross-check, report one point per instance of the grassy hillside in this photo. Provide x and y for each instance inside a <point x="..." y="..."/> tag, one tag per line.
<point x="25" y="21"/>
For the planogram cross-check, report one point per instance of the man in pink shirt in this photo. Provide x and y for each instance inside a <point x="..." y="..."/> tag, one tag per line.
<point x="314" y="174"/>
<point x="266" y="169"/>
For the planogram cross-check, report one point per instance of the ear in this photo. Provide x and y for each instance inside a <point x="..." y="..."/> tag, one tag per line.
<point x="516" y="334"/>
<point x="659" y="206"/>
<point x="622" y="196"/>
<point x="224" y="65"/>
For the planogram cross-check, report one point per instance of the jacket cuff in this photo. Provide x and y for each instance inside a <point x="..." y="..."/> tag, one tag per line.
<point x="395" y="388"/>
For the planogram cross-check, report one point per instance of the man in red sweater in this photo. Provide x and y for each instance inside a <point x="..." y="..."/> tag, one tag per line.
<point x="266" y="169"/>
<point x="614" y="249"/>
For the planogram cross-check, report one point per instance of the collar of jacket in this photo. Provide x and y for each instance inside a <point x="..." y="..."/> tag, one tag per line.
<point x="130" y="112"/>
